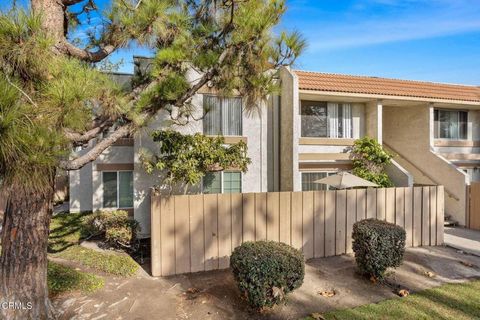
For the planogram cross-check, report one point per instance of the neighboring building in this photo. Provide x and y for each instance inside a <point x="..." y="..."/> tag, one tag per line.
<point x="305" y="134"/>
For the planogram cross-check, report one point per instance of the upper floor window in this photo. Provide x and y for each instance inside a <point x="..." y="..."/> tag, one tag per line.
<point x="450" y="124"/>
<point x="223" y="116"/>
<point x="326" y="120"/>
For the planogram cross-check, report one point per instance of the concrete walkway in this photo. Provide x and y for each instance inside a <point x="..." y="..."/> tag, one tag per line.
<point x="463" y="239"/>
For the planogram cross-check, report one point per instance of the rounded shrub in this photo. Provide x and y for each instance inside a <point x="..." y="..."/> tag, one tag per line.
<point x="378" y="245"/>
<point x="115" y="227"/>
<point x="267" y="271"/>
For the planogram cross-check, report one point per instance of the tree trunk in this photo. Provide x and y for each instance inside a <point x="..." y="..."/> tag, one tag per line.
<point x="53" y="17"/>
<point x="23" y="261"/>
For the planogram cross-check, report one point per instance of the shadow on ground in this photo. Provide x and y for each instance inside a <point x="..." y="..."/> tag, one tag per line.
<point x="213" y="295"/>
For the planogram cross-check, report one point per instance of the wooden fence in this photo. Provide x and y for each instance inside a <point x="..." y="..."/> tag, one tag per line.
<point x="192" y="233"/>
<point x="473" y="221"/>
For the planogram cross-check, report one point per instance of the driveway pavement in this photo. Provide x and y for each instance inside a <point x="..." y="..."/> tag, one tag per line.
<point x="463" y="239"/>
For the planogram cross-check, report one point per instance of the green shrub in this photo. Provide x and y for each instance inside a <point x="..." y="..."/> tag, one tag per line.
<point x="266" y="271"/>
<point x="117" y="228"/>
<point x="378" y="245"/>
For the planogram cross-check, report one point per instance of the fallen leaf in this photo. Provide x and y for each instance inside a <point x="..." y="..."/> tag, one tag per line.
<point x="403" y="293"/>
<point x="429" y="274"/>
<point x="277" y="292"/>
<point x="317" y="316"/>
<point x="192" y="290"/>
<point x="373" y="279"/>
<point x="327" y="293"/>
<point x="467" y="264"/>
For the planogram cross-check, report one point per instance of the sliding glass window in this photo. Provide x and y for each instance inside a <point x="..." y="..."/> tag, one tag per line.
<point x="451" y="124"/>
<point x="326" y="119"/>
<point x="223" y="116"/>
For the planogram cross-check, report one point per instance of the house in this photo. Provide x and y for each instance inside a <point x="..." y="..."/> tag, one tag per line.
<point x="304" y="134"/>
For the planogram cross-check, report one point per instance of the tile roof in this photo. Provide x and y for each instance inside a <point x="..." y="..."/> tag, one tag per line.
<point x="382" y="86"/>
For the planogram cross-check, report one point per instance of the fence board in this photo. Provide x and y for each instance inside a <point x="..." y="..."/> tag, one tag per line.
<point x="409" y="216"/>
<point x="390" y="205"/>
<point x="341" y="222"/>
<point x="433" y="215"/>
<point x="182" y="235"/>
<point x="319" y="223"/>
<point x="425" y="216"/>
<point x="156" y="254"/>
<point x="211" y="233"/>
<point x="330" y="223"/>
<point x="307" y="224"/>
<point x="417" y="216"/>
<point x="351" y="217"/>
<point x="285" y="217"/>
<point x="273" y="216"/>
<point x="198" y="232"/>
<point x="381" y="209"/>
<point x="400" y="207"/>
<point x="197" y="237"/>
<point x="361" y="204"/>
<point x="224" y="230"/>
<point x="297" y="221"/>
<point x="371" y="203"/>
<point x="248" y="204"/>
<point x="167" y="241"/>
<point x="440" y="215"/>
<point x="260" y="216"/>
<point x="237" y="219"/>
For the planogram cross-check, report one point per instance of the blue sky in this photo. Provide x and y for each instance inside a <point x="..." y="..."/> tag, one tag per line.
<point x="433" y="40"/>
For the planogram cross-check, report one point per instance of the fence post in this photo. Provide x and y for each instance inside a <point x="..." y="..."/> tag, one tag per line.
<point x="155" y="234"/>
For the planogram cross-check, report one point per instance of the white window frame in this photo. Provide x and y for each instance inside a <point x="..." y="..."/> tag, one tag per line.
<point x="222" y="183"/>
<point x="118" y="190"/>
<point x="222" y="101"/>
<point x="436" y="124"/>
<point x="332" y="119"/>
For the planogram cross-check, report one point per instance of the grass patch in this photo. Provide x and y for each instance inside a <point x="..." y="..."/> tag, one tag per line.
<point x="63" y="279"/>
<point x="450" y="301"/>
<point x="112" y="263"/>
<point x="66" y="232"/>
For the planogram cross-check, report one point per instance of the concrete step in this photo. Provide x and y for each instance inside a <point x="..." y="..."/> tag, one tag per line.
<point x="450" y="223"/>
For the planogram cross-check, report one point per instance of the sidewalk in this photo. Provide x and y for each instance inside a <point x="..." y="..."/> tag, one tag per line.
<point x="463" y="239"/>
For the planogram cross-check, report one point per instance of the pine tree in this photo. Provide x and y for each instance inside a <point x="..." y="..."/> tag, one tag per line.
<point x="53" y="98"/>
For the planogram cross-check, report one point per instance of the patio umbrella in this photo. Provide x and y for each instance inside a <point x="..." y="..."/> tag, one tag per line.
<point x="345" y="180"/>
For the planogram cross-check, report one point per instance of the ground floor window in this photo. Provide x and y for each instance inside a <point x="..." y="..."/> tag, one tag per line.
<point x="117" y="189"/>
<point x="222" y="182"/>
<point x="309" y="178"/>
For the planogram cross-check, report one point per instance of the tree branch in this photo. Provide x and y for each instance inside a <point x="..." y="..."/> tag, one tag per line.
<point x="86" y="55"/>
<point x="88" y="135"/>
<point x="93" y="153"/>
<point x="71" y="2"/>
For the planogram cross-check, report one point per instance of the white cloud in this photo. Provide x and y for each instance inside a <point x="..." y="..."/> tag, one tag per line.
<point x="417" y="20"/>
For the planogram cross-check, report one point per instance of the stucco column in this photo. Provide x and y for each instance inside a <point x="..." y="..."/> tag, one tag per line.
<point x="374" y="120"/>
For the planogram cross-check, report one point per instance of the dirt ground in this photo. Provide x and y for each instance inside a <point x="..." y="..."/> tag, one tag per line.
<point x="213" y="295"/>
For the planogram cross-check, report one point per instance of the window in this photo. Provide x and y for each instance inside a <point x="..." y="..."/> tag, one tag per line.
<point x="473" y="173"/>
<point x="325" y="119"/>
<point x="222" y="182"/>
<point x="223" y="116"/>
<point x="450" y="124"/>
<point x="309" y="178"/>
<point x="118" y="189"/>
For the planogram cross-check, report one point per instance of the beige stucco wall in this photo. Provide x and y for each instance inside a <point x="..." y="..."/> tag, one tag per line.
<point x="373" y="120"/>
<point x="409" y="132"/>
<point x="288" y="149"/>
